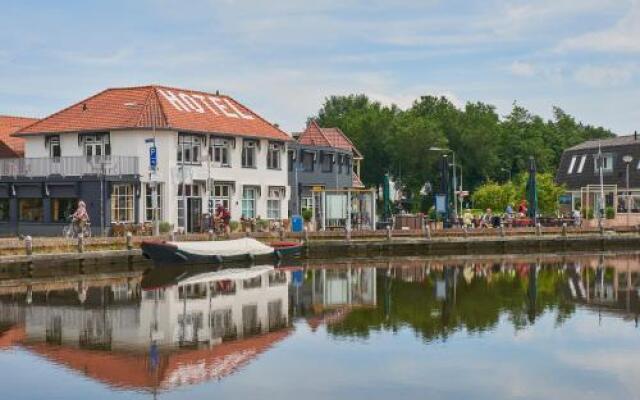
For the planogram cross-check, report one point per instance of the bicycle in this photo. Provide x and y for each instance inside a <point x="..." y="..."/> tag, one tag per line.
<point x="71" y="231"/>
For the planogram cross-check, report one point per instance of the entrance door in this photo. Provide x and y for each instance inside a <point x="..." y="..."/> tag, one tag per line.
<point x="194" y="214"/>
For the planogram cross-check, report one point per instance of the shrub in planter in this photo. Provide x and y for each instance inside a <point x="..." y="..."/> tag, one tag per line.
<point x="262" y="225"/>
<point x="307" y="214"/>
<point x="233" y="225"/>
<point x="165" y="227"/>
<point x="610" y="213"/>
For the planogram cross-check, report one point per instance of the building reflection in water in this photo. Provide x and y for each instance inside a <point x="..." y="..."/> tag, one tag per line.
<point x="174" y="327"/>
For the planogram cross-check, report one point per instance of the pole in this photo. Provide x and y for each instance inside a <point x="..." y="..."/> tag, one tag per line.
<point x="602" y="205"/>
<point x="455" y="202"/>
<point x="628" y="197"/>
<point x="184" y="194"/>
<point x="460" y="192"/>
<point x="154" y="187"/>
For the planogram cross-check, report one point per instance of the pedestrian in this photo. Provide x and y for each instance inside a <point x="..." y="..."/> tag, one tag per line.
<point x="487" y="219"/>
<point x="467" y="218"/>
<point x="80" y="218"/>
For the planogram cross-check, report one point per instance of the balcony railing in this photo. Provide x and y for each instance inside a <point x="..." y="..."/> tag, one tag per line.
<point x="69" y="166"/>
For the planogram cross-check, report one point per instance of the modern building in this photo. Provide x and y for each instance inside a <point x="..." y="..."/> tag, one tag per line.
<point x="579" y="171"/>
<point x="10" y="146"/>
<point x="138" y="154"/>
<point x="324" y="168"/>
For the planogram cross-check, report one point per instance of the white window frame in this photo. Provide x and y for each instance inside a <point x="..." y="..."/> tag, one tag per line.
<point x="571" y="165"/>
<point x="126" y="192"/>
<point x="583" y="159"/>
<point x="148" y="203"/>
<point x="218" y="196"/>
<point x="249" y="203"/>
<point x="273" y="156"/>
<point x="274" y="203"/>
<point x="189" y="149"/>
<point x="220" y="153"/>
<point x="54" y="143"/>
<point x="94" y="144"/>
<point x="249" y="152"/>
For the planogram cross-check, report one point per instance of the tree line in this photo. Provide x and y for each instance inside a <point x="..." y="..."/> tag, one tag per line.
<point x="488" y="147"/>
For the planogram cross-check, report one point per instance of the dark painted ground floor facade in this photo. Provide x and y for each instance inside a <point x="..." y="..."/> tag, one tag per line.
<point x="43" y="206"/>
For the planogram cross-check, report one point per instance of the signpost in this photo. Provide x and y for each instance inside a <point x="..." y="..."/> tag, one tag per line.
<point x="153" y="184"/>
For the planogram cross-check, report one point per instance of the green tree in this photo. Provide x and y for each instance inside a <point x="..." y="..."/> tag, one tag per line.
<point x="494" y="195"/>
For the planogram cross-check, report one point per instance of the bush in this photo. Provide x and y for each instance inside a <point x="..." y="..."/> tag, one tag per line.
<point x="165" y="227"/>
<point x="234" y="225"/>
<point x="610" y="213"/>
<point x="262" y="224"/>
<point x="587" y="213"/>
<point x="307" y="214"/>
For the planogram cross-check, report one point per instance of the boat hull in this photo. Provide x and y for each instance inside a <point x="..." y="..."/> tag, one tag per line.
<point x="169" y="253"/>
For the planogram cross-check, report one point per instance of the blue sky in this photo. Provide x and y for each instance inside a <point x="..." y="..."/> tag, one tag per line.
<point x="282" y="58"/>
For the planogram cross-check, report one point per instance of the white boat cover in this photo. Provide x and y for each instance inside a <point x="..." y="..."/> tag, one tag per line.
<point x="225" y="248"/>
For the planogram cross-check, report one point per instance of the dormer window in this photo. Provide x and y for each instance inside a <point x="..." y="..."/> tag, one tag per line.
<point x="583" y="159"/>
<point x="571" y="165"/>
<point x="607" y="163"/>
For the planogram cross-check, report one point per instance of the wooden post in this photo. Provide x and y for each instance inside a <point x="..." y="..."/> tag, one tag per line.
<point x="347" y="234"/>
<point x="465" y="231"/>
<point x="502" y="233"/>
<point x="211" y="235"/>
<point x="538" y="229"/>
<point x="28" y="245"/>
<point x="564" y="229"/>
<point x="129" y="241"/>
<point x="80" y="243"/>
<point x="305" y="236"/>
<point x="389" y="234"/>
<point x="172" y="236"/>
<point x="427" y="231"/>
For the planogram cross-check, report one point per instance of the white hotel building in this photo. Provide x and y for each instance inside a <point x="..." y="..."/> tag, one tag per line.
<point x="98" y="150"/>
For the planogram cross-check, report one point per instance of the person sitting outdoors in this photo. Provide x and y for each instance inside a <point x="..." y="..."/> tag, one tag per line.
<point x="467" y="219"/>
<point x="577" y="218"/>
<point x="487" y="219"/>
<point x="522" y="208"/>
<point x="80" y="218"/>
<point x="223" y="215"/>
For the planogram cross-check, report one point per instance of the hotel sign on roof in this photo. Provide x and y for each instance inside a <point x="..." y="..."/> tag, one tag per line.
<point x="200" y="103"/>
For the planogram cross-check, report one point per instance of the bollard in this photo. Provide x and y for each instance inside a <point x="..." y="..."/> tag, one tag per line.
<point x="347" y="234"/>
<point x="172" y="236"/>
<point x="282" y="233"/>
<point x="211" y="235"/>
<point x="564" y="229"/>
<point x="129" y="241"/>
<point x="306" y="235"/>
<point x="427" y="231"/>
<point x="389" y="234"/>
<point x="28" y="244"/>
<point x="538" y="229"/>
<point x="502" y="232"/>
<point x="81" y="243"/>
<point x="465" y="232"/>
<point x="601" y="230"/>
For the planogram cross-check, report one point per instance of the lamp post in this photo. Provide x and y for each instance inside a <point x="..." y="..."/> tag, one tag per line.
<point x="453" y="154"/>
<point x="627" y="160"/>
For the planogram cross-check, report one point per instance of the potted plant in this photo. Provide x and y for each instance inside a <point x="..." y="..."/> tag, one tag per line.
<point x="307" y="215"/>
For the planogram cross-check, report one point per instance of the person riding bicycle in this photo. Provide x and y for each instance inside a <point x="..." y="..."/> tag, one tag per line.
<point x="80" y="218"/>
<point x="222" y="214"/>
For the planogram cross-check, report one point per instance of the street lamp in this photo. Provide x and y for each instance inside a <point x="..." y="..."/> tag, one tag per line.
<point x="445" y="150"/>
<point x="627" y="160"/>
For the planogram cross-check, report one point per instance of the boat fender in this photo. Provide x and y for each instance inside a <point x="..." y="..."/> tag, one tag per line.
<point x="278" y="254"/>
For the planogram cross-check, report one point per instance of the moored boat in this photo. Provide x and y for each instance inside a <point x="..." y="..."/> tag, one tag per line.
<point x="218" y="251"/>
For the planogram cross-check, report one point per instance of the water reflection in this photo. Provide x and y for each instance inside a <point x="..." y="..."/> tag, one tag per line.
<point x="182" y="326"/>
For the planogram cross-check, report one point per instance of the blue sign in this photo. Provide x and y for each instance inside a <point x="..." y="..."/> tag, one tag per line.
<point x="153" y="158"/>
<point x="441" y="203"/>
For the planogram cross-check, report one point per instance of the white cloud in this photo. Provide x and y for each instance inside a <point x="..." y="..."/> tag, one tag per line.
<point x="605" y="75"/>
<point x="623" y="37"/>
<point x="523" y="69"/>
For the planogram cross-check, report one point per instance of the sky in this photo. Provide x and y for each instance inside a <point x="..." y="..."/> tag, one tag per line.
<point x="283" y="58"/>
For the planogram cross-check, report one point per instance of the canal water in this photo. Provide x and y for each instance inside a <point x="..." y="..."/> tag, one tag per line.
<point x="526" y="327"/>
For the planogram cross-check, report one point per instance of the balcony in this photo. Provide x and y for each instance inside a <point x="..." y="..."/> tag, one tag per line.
<point x="69" y="166"/>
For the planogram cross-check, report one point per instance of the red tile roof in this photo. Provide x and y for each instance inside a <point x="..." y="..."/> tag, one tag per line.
<point x="168" y="108"/>
<point x="12" y="146"/>
<point x="314" y="135"/>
